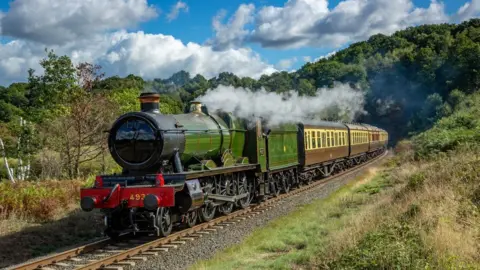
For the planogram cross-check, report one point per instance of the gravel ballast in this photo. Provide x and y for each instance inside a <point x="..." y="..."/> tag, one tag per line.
<point x="206" y="246"/>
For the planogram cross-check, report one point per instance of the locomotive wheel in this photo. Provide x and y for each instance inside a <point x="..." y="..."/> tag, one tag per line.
<point x="164" y="221"/>
<point x="285" y="182"/>
<point x="274" y="187"/>
<point x="243" y="187"/>
<point x="226" y="208"/>
<point x="207" y="212"/>
<point x="226" y="188"/>
<point x="191" y="218"/>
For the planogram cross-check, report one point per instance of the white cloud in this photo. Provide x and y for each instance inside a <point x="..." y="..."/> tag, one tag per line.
<point x="175" y="10"/>
<point x="287" y="26"/>
<point x="122" y="53"/>
<point x="159" y="56"/>
<point x="307" y="59"/>
<point x="434" y="14"/>
<point x="302" y="23"/>
<point x="468" y="10"/>
<point x="232" y="33"/>
<point x="285" y="64"/>
<point x="96" y="31"/>
<point x="58" y="22"/>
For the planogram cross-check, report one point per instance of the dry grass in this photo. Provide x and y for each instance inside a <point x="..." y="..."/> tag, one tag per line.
<point x="416" y="215"/>
<point x="39" y="201"/>
<point x="435" y="201"/>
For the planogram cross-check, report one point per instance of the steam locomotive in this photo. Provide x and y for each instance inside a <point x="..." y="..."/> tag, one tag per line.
<point x="186" y="168"/>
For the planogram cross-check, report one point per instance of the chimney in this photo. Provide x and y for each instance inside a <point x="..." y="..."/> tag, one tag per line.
<point x="149" y="102"/>
<point x="196" y="106"/>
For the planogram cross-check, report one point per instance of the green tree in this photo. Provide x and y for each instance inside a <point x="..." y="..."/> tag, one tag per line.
<point x="50" y="93"/>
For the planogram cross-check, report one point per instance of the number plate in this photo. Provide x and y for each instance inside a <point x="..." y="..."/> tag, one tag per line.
<point x="137" y="197"/>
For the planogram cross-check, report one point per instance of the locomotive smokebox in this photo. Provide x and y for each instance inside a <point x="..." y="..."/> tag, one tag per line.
<point x="149" y="102"/>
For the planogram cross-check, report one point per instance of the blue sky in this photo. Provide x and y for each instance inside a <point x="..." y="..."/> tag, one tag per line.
<point x="196" y="25"/>
<point x="254" y="35"/>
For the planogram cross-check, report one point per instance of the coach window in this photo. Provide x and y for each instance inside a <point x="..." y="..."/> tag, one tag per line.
<point x="319" y="140"/>
<point x="306" y="140"/>
<point x="314" y="140"/>
<point x="324" y="139"/>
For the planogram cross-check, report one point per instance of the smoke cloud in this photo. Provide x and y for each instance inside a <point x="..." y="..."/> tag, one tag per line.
<point x="339" y="103"/>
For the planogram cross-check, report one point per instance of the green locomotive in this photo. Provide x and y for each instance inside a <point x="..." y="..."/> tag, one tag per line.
<point x="186" y="168"/>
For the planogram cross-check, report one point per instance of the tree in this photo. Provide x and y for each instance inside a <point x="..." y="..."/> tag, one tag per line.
<point x="88" y="75"/>
<point x="49" y="93"/>
<point x="79" y="136"/>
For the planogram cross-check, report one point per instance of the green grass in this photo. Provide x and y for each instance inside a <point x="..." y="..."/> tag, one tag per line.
<point x="297" y="239"/>
<point x="410" y="215"/>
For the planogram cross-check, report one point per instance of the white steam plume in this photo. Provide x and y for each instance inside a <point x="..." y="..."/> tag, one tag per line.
<point x="339" y="103"/>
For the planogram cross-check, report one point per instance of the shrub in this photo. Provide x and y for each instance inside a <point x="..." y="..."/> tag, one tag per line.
<point x="460" y="128"/>
<point x="39" y="201"/>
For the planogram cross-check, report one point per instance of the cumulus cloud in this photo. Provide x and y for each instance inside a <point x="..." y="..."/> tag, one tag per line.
<point x="55" y="22"/>
<point x="96" y="31"/>
<point x="288" y="26"/>
<point x="232" y="33"/>
<point x="468" y="10"/>
<point x="175" y="10"/>
<point x="160" y="55"/>
<point x="285" y="64"/>
<point x="122" y="53"/>
<point x="311" y="23"/>
<point x="307" y="59"/>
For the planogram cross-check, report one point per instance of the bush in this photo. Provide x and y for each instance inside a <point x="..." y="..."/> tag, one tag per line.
<point x="40" y="201"/>
<point x="461" y="128"/>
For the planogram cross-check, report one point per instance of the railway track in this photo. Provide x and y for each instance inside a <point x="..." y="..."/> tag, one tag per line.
<point x="126" y="251"/>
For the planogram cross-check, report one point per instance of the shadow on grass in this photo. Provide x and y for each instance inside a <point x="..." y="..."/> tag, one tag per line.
<point x="33" y="241"/>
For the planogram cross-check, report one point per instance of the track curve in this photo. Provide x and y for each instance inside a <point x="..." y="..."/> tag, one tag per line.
<point x="125" y="251"/>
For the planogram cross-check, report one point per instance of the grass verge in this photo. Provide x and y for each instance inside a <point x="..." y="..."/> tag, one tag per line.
<point x="407" y="215"/>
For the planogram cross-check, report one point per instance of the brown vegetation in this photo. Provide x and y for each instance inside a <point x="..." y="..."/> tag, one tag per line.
<point x="411" y="215"/>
